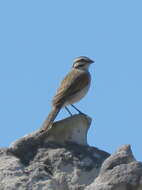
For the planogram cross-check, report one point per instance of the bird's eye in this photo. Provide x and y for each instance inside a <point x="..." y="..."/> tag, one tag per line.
<point x="81" y="65"/>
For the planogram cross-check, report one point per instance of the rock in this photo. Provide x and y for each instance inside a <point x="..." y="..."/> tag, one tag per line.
<point x="120" y="171"/>
<point x="11" y="171"/>
<point x="60" y="159"/>
<point x="52" y="166"/>
<point x="72" y="129"/>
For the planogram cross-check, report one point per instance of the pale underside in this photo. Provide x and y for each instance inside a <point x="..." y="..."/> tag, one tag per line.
<point x="77" y="96"/>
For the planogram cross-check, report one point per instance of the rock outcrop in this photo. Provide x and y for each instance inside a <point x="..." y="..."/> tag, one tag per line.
<point x="62" y="160"/>
<point x="120" y="171"/>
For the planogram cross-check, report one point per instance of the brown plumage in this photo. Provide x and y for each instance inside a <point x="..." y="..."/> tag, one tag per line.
<point x="70" y="86"/>
<point x="73" y="87"/>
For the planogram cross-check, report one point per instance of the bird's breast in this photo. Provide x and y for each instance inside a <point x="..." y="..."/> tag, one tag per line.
<point x="78" y="96"/>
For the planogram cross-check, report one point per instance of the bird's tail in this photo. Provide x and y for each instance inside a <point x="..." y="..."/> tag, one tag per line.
<point x="50" y="119"/>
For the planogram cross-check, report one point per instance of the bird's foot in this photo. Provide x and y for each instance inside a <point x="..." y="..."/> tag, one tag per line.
<point x="82" y="113"/>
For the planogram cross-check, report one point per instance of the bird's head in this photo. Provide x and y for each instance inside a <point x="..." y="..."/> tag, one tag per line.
<point x="82" y="63"/>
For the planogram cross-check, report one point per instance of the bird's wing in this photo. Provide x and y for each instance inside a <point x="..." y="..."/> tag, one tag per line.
<point x="71" y="84"/>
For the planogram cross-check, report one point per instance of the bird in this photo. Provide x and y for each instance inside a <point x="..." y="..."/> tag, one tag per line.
<point x="72" y="89"/>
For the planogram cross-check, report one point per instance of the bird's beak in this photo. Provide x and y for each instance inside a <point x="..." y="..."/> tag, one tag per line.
<point x="91" y="61"/>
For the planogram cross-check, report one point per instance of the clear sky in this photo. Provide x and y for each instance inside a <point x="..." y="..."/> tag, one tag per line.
<point x="39" y="40"/>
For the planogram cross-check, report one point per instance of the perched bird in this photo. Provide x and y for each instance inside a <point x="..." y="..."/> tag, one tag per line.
<point x="72" y="89"/>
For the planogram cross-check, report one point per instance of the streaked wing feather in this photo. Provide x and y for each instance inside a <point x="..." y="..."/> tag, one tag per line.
<point x="70" y="85"/>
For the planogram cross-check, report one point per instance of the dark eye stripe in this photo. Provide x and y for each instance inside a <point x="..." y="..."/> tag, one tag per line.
<point x="81" y="65"/>
<point x="78" y="65"/>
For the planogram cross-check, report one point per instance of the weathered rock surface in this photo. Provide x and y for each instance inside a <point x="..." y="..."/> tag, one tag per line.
<point x="62" y="160"/>
<point x="52" y="167"/>
<point x="120" y="171"/>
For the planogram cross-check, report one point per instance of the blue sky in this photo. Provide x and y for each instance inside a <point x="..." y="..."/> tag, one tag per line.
<point x="39" y="40"/>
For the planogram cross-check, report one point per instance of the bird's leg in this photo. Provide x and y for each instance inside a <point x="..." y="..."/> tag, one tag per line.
<point x="77" y="110"/>
<point x="68" y="111"/>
